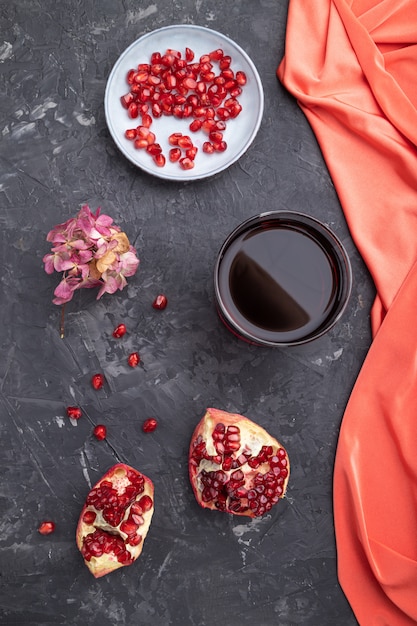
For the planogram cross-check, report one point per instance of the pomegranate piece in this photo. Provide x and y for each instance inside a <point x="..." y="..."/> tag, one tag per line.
<point x="74" y="412"/>
<point x="97" y="381"/>
<point x="115" y="520"/>
<point x="236" y="466"/>
<point x="46" y="528"/>
<point x="149" y="425"/>
<point x="100" y="432"/>
<point x="119" y="331"/>
<point x="160" y="302"/>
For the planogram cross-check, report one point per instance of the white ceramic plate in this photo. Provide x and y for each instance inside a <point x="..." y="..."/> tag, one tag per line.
<point x="240" y="131"/>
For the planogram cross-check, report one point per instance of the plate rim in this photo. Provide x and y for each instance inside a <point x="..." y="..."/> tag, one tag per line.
<point x="188" y="175"/>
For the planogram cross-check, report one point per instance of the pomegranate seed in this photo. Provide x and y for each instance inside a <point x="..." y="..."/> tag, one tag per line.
<point x="178" y="111"/>
<point x="100" y="432"/>
<point x="173" y="139"/>
<point x="119" y="331"/>
<point x="155" y="57"/>
<point x="225" y="62"/>
<point x="227" y="73"/>
<point x="74" y="412"/>
<point x="223" y="113"/>
<point x="195" y="125"/>
<point x="133" y="110"/>
<point x="141" y="77"/>
<point x="154" y="149"/>
<point x="185" y="142"/>
<point x="141" y="144"/>
<point x="126" y="100"/>
<point x="128" y="527"/>
<point x="174" y="155"/>
<point x="146" y="120"/>
<point x="130" y="133"/>
<point x="189" y="55"/>
<point x="133" y="359"/>
<point x="216" y="55"/>
<point x="191" y="153"/>
<point x="168" y="60"/>
<point x="46" y="528"/>
<point x="216" y="136"/>
<point x="186" y="163"/>
<point x="97" y="381"/>
<point x="156" y="110"/>
<point x="221" y="146"/>
<point x="145" y="503"/>
<point x="149" y="425"/>
<point x="208" y="147"/>
<point x="89" y="517"/>
<point x="159" y="160"/>
<point x="241" y="78"/>
<point x="189" y="83"/>
<point x="235" y="92"/>
<point x="160" y="302"/>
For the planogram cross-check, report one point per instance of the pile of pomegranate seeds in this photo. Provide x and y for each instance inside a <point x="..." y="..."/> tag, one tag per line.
<point x="205" y="92"/>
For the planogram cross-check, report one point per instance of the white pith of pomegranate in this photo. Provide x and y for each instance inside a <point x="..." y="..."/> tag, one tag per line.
<point x="236" y="466"/>
<point x="115" y="520"/>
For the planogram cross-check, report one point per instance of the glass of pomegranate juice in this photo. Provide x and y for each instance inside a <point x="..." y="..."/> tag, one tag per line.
<point x="281" y="278"/>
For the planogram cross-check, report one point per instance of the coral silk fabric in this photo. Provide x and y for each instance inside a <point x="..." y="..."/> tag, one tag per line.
<point x="352" y="65"/>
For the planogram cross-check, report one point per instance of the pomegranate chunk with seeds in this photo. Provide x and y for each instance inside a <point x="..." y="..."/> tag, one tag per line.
<point x="115" y="520"/>
<point x="236" y="466"/>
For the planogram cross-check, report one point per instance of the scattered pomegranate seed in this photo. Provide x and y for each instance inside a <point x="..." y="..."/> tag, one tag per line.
<point x="100" y="432"/>
<point x="133" y="359"/>
<point x="97" y="381"/>
<point x="46" y="528"/>
<point x="160" y="302"/>
<point x="149" y="425"/>
<point x="74" y="412"/>
<point x="119" y="331"/>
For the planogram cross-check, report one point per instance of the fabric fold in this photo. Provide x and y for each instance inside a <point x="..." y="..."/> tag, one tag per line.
<point x="351" y="66"/>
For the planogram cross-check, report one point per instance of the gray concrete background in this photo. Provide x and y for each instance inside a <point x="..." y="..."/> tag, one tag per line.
<point x="198" y="568"/>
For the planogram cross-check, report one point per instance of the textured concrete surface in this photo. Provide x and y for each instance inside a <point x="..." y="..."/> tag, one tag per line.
<point x="198" y="568"/>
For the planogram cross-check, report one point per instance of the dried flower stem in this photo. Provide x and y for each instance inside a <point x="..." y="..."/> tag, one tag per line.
<point x="62" y="321"/>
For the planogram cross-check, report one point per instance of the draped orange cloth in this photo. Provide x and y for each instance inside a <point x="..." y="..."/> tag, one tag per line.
<point x="352" y="65"/>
